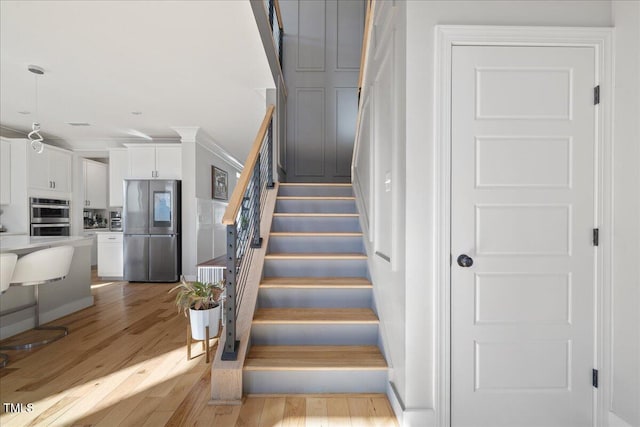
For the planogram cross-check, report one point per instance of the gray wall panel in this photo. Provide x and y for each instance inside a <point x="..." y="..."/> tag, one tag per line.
<point x="349" y="37"/>
<point x="346" y="114"/>
<point x="310" y="126"/>
<point x="322" y="45"/>
<point x="311" y="38"/>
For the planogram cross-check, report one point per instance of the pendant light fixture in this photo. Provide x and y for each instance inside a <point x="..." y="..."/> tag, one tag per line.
<point x="34" y="136"/>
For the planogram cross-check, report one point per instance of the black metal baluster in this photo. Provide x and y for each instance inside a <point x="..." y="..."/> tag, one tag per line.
<point x="270" y="183"/>
<point x="271" y="14"/>
<point x="280" y="46"/>
<point x="256" y="241"/>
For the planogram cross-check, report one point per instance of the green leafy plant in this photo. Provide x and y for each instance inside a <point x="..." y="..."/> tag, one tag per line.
<point x="198" y="295"/>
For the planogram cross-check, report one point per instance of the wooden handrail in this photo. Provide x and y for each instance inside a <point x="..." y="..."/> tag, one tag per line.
<point x="231" y="213"/>
<point x="276" y="4"/>
<point x="365" y="41"/>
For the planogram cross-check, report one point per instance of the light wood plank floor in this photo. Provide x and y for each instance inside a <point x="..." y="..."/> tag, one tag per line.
<point x="124" y="364"/>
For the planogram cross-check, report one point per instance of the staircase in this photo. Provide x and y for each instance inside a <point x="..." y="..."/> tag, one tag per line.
<point x="314" y="330"/>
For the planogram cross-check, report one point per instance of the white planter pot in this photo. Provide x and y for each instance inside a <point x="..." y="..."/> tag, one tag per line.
<point x="200" y="319"/>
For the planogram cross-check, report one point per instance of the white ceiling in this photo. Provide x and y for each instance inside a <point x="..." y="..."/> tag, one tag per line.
<point x="180" y="63"/>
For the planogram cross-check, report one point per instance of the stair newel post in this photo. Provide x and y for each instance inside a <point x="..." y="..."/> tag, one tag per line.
<point x="256" y="240"/>
<point x="231" y="345"/>
<point x="270" y="183"/>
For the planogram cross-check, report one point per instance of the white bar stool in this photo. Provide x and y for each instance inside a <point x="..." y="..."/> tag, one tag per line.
<point x="7" y="265"/>
<point x="35" y="269"/>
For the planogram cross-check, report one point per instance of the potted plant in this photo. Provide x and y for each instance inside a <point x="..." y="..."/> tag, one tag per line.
<point x="201" y="302"/>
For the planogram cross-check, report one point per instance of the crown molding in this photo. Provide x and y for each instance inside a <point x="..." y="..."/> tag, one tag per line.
<point x="200" y="137"/>
<point x="210" y="144"/>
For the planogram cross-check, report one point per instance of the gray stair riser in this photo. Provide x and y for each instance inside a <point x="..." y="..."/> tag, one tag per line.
<point x="340" y="381"/>
<point x="314" y="268"/>
<point x="314" y="334"/>
<point x="315" y="190"/>
<point x="314" y="297"/>
<point x="308" y="244"/>
<point x="312" y="224"/>
<point x="316" y="206"/>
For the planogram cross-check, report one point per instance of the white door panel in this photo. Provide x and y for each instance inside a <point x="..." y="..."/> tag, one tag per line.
<point x="523" y="208"/>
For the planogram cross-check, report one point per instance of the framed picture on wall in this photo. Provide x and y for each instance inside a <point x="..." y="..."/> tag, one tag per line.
<point x="219" y="184"/>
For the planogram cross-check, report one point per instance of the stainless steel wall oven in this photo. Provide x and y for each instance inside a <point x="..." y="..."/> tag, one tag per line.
<point x="49" y="217"/>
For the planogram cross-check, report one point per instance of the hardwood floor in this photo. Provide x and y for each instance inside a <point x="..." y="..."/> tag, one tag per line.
<point x="124" y="364"/>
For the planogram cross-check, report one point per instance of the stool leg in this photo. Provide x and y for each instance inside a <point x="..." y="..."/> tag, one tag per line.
<point x="36" y="295"/>
<point x="28" y="346"/>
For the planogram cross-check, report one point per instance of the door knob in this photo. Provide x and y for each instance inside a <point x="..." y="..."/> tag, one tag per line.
<point x="465" y="261"/>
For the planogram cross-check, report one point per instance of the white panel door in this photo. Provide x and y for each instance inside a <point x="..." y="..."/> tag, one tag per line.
<point x="523" y="210"/>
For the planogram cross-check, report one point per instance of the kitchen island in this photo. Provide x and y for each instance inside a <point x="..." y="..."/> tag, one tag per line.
<point x="57" y="299"/>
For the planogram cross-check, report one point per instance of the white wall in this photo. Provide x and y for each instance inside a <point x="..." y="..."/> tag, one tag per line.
<point x="200" y="233"/>
<point x="624" y="325"/>
<point x="211" y="234"/>
<point x="189" y="206"/>
<point x="421" y="207"/>
<point x="380" y="151"/>
<point x="412" y="273"/>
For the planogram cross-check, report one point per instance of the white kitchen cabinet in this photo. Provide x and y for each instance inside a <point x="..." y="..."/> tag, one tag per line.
<point x="118" y="171"/>
<point x="168" y="162"/>
<point x="155" y="161"/>
<point x="110" y="254"/>
<point x="142" y="162"/>
<point x="95" y="184"/>
<point x="5" y="172"/>
<point x="50" y="170"/>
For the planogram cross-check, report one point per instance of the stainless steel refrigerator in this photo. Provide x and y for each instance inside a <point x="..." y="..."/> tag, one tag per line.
<point x="151" y="226"/>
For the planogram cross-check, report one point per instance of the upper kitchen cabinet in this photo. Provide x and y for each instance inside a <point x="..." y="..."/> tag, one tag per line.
<point x="168" y="162"/>
<point x="118" y="171"/>
<point x="50" y="170"/>
<point x="5" y="172"/>
<point x="155" y="161"/>
<point x="95" y="184"/>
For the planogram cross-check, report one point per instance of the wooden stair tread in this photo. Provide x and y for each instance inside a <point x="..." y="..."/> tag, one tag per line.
<point x="314" y="184"/>
<point x="314" y="357"/>
<point x="303" y="214"/>
<point x="319" y="198"/>
<point x="314" y="234"/>
<point x="316" y="255"/>
<point x="314" y="315"/>
<point x="315" y="282"/>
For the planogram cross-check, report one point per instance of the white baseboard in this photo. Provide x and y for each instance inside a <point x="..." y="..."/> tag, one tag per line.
<point x="419" y="418"/>
<point x="26" y="324"/>
<point x="396" y="402"/>
<point x="616" y="421"/>
<point x="409" y="417"/>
